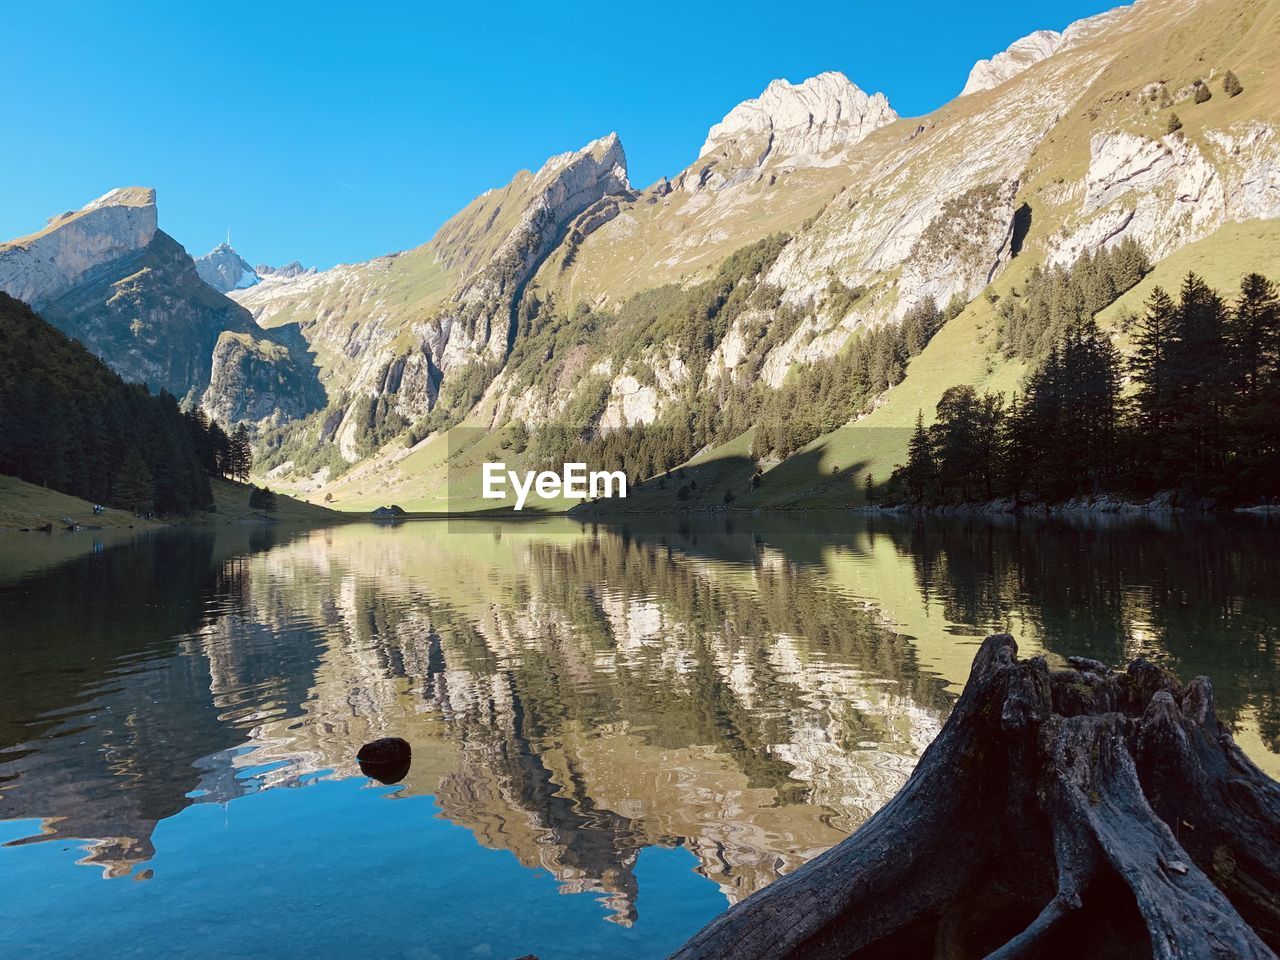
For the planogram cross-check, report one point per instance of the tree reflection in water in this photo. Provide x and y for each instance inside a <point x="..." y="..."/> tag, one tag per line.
<point x="750" y="689"/>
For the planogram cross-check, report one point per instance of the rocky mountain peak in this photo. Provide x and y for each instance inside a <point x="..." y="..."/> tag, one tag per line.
<point x="225" y="270"/>
<point x="1034" y="47"/>
<point x="604" y="156"/>
<point x="1007" y="64"/>
<point x="123" y="197"/>
<point x="44" y="264"/>
<point x="790" y="120"/>
<point x="287" y="272"/>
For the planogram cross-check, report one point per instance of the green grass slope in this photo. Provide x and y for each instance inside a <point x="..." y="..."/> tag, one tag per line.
<point x="966" y="351"/>
<point x="28" y="506"/>
<point x="830" y="471"/>
<point x="231" y="505"/>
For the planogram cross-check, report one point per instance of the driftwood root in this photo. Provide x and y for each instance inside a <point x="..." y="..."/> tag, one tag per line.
<point x="1077" y="813"/>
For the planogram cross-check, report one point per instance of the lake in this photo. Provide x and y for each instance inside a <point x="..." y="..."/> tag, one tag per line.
<point x="617" y="730"/>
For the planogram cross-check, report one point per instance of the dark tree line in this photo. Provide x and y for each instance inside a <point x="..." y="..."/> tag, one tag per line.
<point x="1195" y="410"/>
<point x="819" y="397"/>
<point x="67" y="422"/>
<point x="1059" y="298"/>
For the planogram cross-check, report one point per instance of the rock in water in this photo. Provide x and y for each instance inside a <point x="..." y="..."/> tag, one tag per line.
<point x="385" y="750"/>
<point x="386" y="760"/>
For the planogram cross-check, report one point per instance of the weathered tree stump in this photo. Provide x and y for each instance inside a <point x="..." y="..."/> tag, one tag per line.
<point x="1080" y="813"/>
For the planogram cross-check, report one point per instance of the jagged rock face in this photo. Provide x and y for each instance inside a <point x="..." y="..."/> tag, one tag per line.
<point x="903" y="187"/>
<point x="803" y="119"/>
<point x="108" y="277"/>
<point x="964" y="246"/>
<point x="1031" y="49"/>
<point x="260" y="380"/>
<point x="567" y="185"/>
<point x="1009" y="63"/>
<point x="632" y="402"/>
<point x="46" y="264"/>
<point x="478" y="264"/>
<point x="1169" y="192"/>
<point x="150" y="317"/>
<point x="225" y="270"/>
<point x="290" y="270"/>
<point x="802" y="124"/>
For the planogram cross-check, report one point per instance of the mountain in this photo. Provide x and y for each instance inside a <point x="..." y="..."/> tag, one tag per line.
<point x="387" y="332"/>
<point x="109" y="277"/>
<point x="1058" y="146"/>
<point x="798" y="124"/>
<point x="779" y="310"/>
<point x="225" y="270"/>
<point x="72" y="425"/>
<point x="290" y="270"/>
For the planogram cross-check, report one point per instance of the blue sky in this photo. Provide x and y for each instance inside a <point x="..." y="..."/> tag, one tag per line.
<point x="329" y="134"/>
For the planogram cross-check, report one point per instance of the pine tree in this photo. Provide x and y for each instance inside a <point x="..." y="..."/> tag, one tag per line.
<point x="262" y="499"/>
<point x="1196" y="442"/>
<point x="919" y="473"/>
<point x="1202" y="94"/>
<point x="1175" y="124"/>
<point x="134" y="488"/>
<point x="1130" y="264"/>
<point x="1231" y="85"/>
<point x="1254" y="342"/>
<point x="1254" y="329"/>
<point x="241" y="454"/>
<point x="1152" y="376"/>
<point x="953" y="442"/>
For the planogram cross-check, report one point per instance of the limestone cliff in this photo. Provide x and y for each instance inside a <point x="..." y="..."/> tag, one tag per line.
<point x="106" y="275"/>
<point x="256" y="378"/>
<point x="396" y="327"/>
<point x="1007" y="64"/>
<point x="801" y="121"/>
<point x="71" y="246"/>
<point x="807" y="124"/>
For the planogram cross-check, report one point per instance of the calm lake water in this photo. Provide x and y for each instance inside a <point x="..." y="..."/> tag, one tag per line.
<point x="617" y="731"/>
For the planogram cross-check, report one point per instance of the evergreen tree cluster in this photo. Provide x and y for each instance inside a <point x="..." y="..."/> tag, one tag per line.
<point x="67" y="422"/>
<point x="819" y="397"/>
<point x="1060" y="298"/>
<point x="1195" y="409"/>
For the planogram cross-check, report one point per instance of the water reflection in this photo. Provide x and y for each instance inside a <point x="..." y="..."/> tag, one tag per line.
<point x="750" y="691"/>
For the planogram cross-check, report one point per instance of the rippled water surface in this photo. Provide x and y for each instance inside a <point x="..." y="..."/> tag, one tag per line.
<point x="617" y="731"/>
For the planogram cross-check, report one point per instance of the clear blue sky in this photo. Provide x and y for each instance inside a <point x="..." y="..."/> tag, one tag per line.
<point x="328" y="134"/>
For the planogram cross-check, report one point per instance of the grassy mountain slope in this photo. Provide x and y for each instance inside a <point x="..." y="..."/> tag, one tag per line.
<point x="231" y="505"/>
<point x="965" y="352"/>
<point x="829" y="472"/>
<point x="28" y="506"/>
<point x="622" y="323"/>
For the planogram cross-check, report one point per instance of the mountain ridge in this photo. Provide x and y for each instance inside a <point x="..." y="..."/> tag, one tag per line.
<point x="108" y="276"/>
<point x="548" y="302"/>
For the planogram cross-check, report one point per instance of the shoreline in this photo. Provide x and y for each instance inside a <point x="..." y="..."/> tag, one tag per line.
<point x="1161" y="505"/>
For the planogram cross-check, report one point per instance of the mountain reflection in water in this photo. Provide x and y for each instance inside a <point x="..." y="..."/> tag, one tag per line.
<point x="748" y="689"/>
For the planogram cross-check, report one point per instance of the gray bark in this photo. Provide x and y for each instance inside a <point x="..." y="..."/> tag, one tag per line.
<point x="1083" y="812"/>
